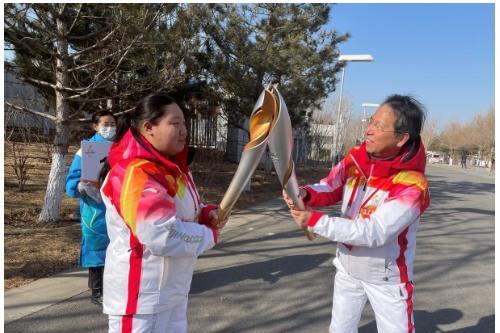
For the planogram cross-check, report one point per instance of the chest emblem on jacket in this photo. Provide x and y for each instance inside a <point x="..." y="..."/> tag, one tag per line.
<point x="366" y="211"/>
<point x="372" y="205"/>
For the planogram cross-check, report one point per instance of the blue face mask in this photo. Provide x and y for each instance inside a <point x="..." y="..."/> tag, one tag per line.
<point x="107" y="132"/>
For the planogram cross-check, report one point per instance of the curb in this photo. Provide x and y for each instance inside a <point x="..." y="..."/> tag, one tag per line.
<point x="42" y="293"/>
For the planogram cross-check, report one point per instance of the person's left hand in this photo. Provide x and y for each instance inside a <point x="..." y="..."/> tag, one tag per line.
<point x="214" y="220"/>
<point x="301" y="217"/>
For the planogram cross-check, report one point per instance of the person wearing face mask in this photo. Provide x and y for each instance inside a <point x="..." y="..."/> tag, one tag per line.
<point x="95" y="238"/>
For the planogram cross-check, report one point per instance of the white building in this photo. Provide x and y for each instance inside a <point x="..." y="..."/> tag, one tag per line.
<point x="321" y="142"/>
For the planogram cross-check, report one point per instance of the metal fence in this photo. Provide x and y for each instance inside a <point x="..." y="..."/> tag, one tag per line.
<point x="203" y="130"/>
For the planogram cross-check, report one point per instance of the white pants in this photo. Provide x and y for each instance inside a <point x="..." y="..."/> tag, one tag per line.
<point x="392" y="304"/>
<point x="169" y="321"/>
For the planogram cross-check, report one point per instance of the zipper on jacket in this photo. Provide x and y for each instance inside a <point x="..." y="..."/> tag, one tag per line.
<point x="357" y="165"/>
<point x="370" y="176"/>
<point x="367" y="178"/>
<point x="194" y="194"/>
<point x="356" y="184"/>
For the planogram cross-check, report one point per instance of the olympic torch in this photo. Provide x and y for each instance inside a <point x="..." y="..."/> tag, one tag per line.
<point x="260" y="124"/>
<point x="280" y="145"/>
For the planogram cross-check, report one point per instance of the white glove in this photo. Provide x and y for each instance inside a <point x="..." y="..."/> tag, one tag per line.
<point x="89" y="190"/>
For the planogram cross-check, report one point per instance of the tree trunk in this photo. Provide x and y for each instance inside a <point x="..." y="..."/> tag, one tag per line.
<point x="55" y="185"/>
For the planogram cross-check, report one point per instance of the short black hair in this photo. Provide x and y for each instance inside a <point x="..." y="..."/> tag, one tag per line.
<point x="97" y="116"/>
<point x="410" y="118"/>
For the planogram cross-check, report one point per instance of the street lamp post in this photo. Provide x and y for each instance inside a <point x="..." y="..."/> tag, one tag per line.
<point x="365" y="119"/>
<point x="336" y="136"/>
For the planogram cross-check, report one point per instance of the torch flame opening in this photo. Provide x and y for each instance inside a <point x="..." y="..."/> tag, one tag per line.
<point x="262" y="120"/>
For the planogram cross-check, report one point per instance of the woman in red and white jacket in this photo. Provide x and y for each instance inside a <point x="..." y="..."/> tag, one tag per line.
<point x="156" y="222"/>
<point x="384" y="192"/>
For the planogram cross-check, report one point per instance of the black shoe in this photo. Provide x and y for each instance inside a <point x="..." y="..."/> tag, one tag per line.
<point x="96" y="298"/>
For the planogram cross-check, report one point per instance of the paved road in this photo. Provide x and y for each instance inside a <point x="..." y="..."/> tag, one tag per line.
<point x="266" y="277"/>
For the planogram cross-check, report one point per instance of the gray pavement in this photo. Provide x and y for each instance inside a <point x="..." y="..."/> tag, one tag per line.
<point x="266" y="277"/>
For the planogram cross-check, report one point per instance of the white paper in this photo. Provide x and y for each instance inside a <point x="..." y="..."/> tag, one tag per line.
<point x="94" y="155"/>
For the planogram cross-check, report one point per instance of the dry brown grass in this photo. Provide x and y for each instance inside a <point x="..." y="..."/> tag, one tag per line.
<point x="33" y="250"/>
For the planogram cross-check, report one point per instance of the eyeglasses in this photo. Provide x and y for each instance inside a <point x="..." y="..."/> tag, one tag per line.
<point x="378" y="126"/>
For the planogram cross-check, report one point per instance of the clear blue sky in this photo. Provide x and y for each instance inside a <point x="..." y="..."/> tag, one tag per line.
<point x="443" y="54"/>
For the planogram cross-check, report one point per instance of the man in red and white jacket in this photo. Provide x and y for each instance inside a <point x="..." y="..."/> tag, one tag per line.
<point x="383" y="191"/>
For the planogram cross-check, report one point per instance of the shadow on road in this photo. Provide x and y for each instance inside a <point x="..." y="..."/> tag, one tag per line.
<point x="443" y="190"/>
<point x="269" y="271"/>
<point x="75" y="315"/>
<point x="428" y="322"/>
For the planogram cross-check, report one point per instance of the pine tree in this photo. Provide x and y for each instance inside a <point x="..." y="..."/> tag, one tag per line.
<point x="247" y="46"/>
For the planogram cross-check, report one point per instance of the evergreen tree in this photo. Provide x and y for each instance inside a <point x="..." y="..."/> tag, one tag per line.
<point x="247" y="46"/>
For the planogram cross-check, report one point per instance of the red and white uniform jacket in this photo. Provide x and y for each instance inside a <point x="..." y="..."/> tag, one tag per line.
<point x="381" y="206"/>
<point x="155" y="222"/>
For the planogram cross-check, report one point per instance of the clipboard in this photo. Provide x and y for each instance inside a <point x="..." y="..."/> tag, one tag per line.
<point x="94" y="155"/>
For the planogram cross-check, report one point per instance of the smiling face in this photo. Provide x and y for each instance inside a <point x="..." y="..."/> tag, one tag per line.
<point x="380" y="137"/>
<point x="169" y="134"/>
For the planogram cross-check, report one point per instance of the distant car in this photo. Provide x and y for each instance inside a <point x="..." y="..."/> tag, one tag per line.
<point x="435" y="158"/>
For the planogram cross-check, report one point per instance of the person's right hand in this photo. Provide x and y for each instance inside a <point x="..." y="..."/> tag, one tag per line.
<point x="214" y="220"/>
<point x="289" y="201"/>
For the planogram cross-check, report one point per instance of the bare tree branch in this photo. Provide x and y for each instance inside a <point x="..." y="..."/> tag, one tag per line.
<point x="96" y="61"/>
<point x="83" y="91"/>
<point x="77" y="111"/>
<point x="43" y="83"/>
<point x="124" y="112"/>
<point x="97" y="99"/>
<point x="22" y="44"/>
<point x="38" y="113"/>
<point x="84" y="120"/>
<point x="97" y="84"/>
<point x="42" y="17"/>
<point x="74" y="21"/>
<point x="99" y="43"/>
